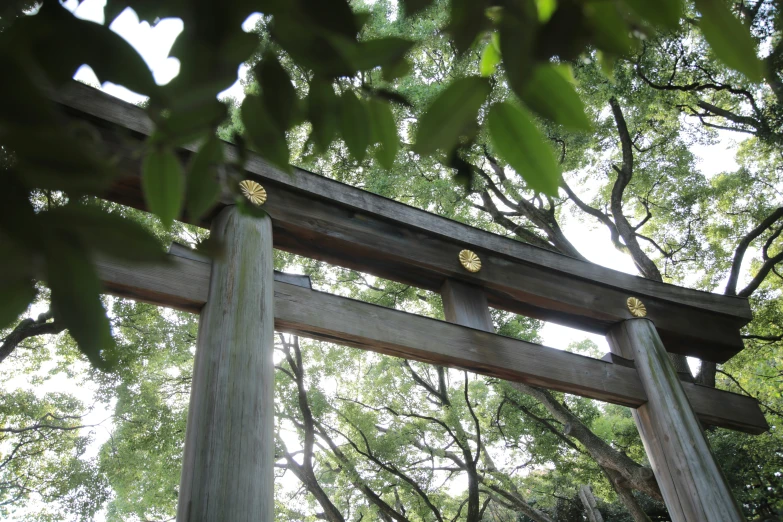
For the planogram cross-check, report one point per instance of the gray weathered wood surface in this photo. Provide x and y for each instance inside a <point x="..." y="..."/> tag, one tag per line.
<point x="183" y="284"/>
<point x="691" y="482"/>
<point x="323" y="219"/>
<point x="228" y="464"/>
<point x="466" y="305"/>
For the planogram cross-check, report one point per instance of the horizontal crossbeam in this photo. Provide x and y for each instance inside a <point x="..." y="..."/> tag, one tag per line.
<point x="183" y="283"/>
<point x="323" y="219"/>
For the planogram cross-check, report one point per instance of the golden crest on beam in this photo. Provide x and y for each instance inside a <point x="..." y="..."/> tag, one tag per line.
<point x="470" y="261"/>
<point x="636" y="307"/>
<point x="253" y="191"/>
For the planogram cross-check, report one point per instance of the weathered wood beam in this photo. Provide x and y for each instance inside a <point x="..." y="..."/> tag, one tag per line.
<point x="183" y="284"/>
<point x="320" y="218"/>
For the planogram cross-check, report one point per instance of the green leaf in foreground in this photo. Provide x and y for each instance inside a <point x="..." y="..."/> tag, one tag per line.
<point x="384" y="130"/>
<point x="414" y="6"/>
<point x="163" y="184"/>
<point x="355" y="125"/>
<point x="546" y="8"/>
<point x="76" y="299"/>
<point x="665" y="13"/>
<point x="263" y="133"/>
<point x="552" y="96"/>
<point x="108" y="234"/>
<point x="520" y="144"/>
<point x="450" y="114"/>
<point x="278" y="92"/>
<point x="322" y="109"/>
<point x="17" y="294"/>
<point x="490" y="58"/>
<point x="203" y="188"/>
<point x="729" y="38"/>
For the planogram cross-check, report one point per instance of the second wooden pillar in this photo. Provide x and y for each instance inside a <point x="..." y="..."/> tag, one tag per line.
<point x="691" y="482"/>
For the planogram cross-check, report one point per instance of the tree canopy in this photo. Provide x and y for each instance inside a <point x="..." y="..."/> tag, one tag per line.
<point x="519" y="117"/>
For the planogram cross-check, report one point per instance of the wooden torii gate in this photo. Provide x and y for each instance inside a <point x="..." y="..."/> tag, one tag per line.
<point x="229" y="448"/>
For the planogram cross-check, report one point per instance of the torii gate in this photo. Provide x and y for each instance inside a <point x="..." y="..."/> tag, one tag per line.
<point x="229" y="448"/>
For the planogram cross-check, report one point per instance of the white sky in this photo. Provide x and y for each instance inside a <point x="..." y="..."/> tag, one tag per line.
<point x="154" y="44"/>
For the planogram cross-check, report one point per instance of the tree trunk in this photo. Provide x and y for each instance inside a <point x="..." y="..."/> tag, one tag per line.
<point x="588" y="500"/>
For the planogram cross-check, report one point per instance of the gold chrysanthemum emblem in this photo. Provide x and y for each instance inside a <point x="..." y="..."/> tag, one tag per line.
<point x="636" y="307"/>
<point x="253" y="192"/>
<point x="470" y="261"/>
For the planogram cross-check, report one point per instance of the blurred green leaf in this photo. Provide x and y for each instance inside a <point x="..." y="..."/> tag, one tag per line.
<point x="21" y="100"/>
<point x="19" y="223"/>
<point x="606" y="62"/>
<point x="60" y="158"/>
<point x="390" y="96"/>
<point x="490" y="57"/>
<point x="384" y="131"/>
<point x="397" y="70"/>
<point x="729" y="39"/>
<point x="322" y="110"/>
<point x="249" y="209"/>
<point x="312" y="48"/>
<point x="467" y="21"/>
<point x="611" y="32"/>
<point x="552" y="96"/>
<point x="450" y="114"/>
<point x="664" y="13"/>
<point x="464" y="171"/>
<point x="60" y="43"/>
<point x="355" y="125"/>
<point x="203" y="189"/>
<point x="379" y="52"/>
<point x="76" y="297"/>
<point x="564" y="36"/>
<point x="163" y="184"/>
<point x="518" y="28"/>
<point x="278" y="92"/>
<point x="332" y="15"/>
<point x="187" y="122"/>
<point x="546" y="9"/>
<point x="411" y="7"/>
<point x="263" y="133"/>
<point x="520" y="144"/>
<point x="17" y="295"/>
<point x="103" y="232"/>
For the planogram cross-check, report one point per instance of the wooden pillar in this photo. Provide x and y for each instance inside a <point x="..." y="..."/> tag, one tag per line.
<point x="228" y="465"/>
<point x="692" y="484"/>
<point x="466" y="305"/>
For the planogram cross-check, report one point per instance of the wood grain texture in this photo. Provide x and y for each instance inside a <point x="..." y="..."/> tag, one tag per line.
<point x="466" y="305"/>
<point x="353" y="323"/>
<point x="692" y="483"/>
<point x="324" y="219"/>
<point x="228" y="464"/>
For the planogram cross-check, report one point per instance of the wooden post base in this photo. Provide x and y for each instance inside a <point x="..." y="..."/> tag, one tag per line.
<point x="228" y="466"/>
<point x="692" y="484"/>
